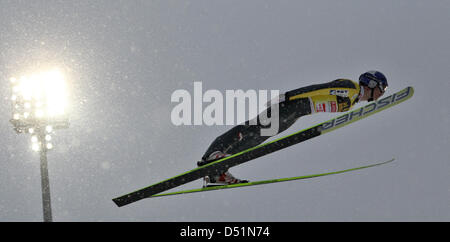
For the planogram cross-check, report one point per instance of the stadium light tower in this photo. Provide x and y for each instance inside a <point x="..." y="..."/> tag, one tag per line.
<point x="39" y="107"/>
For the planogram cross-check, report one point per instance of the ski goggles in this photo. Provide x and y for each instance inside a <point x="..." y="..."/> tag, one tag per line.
<point x="373" y="84"/>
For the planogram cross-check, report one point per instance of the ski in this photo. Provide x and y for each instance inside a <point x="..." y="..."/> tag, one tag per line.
<point x="220" y="187"/>
<point x="224" y="164"/>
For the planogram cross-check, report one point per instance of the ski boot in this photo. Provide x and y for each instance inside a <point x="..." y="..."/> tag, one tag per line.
<point x="224" y="178"/>
<point x="216" y="155"/>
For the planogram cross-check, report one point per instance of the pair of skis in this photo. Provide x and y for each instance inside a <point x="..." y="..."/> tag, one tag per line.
<point x="224" y="164"/>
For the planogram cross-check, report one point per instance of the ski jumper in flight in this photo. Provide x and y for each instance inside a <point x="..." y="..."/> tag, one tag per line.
<point x="336" y="96"/>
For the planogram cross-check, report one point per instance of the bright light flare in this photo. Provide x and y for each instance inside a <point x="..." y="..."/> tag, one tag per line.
<point x="35" y="147"/>
<point x="55" y="93"/>
<point x="34" y="139"/>
<point x="46" y="90"/>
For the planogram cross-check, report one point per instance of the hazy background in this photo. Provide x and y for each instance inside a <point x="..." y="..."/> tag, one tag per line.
<point x="125" y="58"/>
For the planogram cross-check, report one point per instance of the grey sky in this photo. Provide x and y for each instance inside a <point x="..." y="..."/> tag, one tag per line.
<point x="125" y="58"/>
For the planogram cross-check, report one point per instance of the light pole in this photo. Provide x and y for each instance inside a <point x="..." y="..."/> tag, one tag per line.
<point x="39" y="103"/>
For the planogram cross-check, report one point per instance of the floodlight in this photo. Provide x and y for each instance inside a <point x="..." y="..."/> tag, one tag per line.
<point x="39" y="107"/>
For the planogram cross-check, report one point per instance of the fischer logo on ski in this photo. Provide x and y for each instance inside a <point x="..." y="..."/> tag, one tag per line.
<point x="368" y="109"/>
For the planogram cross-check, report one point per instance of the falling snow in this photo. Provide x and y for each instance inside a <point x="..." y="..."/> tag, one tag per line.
<point x="124" y="59"/>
